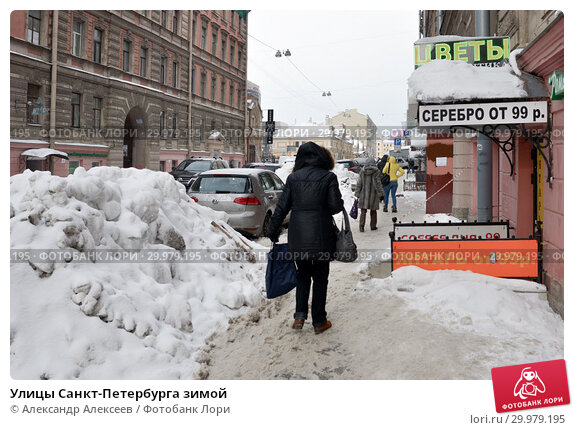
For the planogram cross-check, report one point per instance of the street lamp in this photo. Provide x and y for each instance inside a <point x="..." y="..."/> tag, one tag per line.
<point x="287" y="53"/>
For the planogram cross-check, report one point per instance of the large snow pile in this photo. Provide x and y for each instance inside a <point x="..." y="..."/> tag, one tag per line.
<point x="463" y="301"/>
<point x="446" y="80"/>
<point x="100" y="319"/>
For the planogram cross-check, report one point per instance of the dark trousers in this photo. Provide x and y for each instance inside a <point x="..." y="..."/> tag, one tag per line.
<point x="363" y="218"/>
<point x="318" y="271"/>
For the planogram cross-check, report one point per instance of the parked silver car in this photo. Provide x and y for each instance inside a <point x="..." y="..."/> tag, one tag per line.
<point x="248" y="196"/>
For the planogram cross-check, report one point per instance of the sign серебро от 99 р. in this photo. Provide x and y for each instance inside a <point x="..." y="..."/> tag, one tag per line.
<point x="483" y="113"/>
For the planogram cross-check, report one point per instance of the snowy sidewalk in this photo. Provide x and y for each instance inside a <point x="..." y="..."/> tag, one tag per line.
<point x="378" y="331"/>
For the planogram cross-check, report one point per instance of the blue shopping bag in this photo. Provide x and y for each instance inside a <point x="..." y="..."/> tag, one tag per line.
<point x="354" y="212"/>
<point x="281" y="274"/>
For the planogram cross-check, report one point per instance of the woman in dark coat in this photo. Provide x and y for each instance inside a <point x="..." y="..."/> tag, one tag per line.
<point x="312" y="195"/>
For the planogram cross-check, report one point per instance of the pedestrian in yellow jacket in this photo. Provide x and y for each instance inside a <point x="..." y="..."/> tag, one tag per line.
<point x="395" y="172"/>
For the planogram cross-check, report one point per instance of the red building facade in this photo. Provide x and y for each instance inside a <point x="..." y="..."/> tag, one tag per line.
<point x="124" y="87"/>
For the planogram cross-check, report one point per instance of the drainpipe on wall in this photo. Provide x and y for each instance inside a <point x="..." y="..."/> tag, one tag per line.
<point x="246" y="112"/>
<point x="189" y="84"/>
<point x="439" y="15"/>
<point x="483" y="143"/>
<point x="53" y="86"/>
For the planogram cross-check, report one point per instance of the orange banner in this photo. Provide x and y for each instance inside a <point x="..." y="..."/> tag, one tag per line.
<point x="503" y="258"/>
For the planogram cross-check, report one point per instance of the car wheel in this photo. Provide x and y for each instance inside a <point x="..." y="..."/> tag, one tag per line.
<point x="265" y="227"/>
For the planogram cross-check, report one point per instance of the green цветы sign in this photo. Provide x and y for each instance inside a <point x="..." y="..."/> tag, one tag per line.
<point x="489" y="51"/>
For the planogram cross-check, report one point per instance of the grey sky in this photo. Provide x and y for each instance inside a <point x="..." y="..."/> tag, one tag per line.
<point x="363" y="57"/>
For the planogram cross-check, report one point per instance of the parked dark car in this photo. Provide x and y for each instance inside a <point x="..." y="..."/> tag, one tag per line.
<point x="187" y="170"/>
<point x="352" y="165"/>
<point x="267" y="166"/>
<point x="248" y="196"/>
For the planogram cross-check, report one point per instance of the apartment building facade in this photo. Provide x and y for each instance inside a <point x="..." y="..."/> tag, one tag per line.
<point x="120" y="88"/>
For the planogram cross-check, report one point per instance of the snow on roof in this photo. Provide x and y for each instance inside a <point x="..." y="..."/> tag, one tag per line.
<point x="513" y="63"/>
<point x="446" y="80"/>
<point x="44" y="152"/>
<point x="444" y="38"/>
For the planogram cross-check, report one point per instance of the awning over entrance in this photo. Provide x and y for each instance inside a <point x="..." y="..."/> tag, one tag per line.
<point x="42" y="153"/>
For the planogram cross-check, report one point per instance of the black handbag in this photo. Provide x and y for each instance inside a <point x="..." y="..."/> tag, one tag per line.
<point x="345" y="249"/>
<point x="385" y="179"/>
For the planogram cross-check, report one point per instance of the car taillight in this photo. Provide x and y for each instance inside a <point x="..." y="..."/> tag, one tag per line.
<point x="194" y="199"/>
<point x="247" y="200"/>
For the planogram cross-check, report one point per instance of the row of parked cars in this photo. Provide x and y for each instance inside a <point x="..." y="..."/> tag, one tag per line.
<point x="248" y="194"/>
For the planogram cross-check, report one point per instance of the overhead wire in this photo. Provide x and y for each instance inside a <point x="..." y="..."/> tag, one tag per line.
<point x="299" y="70"/>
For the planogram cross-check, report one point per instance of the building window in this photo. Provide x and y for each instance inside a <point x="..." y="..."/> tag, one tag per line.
<point x="175" y="20"/>
<point x="239" y="58"/>
<point x="96" y="164"/>
<point x="223" y="48"/>
<point x="34" y="26"/>
<point x="162" y="70"/>
<point x="126" y="55"/>
<point x="97" y="113"/>
<point x="193" y="80"/>
<point x="32" y="103"/>
<point x="73" y="165"/>
<point x="174" y="125"/>
<point x="232" y="19"/>
<point x="173" y="164"/>
<point x="222" y="91"/>
<point x="232" y="54"/>
<point x="162" y="124"/>
<point x="143" y="61"/>
<point x="77" y="30"/>
<point x="231" y="94"/>
<point x="76" y="110"/>
<point x="174" y="74"/>
<point x="97" y="54"/>
<point x="162" y="166"/>
<point x="164" y="18"/>
<point x="213" y="86"/>
<point x="202" y="85"/>
<point x="214" y="43"/>
<point x="203" y="37"/>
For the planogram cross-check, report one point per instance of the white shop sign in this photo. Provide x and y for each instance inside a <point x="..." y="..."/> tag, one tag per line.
<point x="450" y="231"/>
<point x="483" y="113"/>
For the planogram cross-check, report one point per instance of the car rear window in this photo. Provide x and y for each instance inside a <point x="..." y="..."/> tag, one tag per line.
<point x="221" y="184"/>
<point x="194" y="165"/>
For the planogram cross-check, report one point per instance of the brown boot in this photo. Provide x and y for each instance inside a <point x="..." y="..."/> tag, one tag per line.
<point x="394" y="209"/>
<point x="298" y="323"/>
<point x="322" y="328"/>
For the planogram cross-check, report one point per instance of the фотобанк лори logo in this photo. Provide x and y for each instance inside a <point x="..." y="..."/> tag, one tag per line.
<point x="529" y="386"/>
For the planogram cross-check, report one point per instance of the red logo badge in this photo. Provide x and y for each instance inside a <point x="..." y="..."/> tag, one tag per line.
<point x="529" y="386"/>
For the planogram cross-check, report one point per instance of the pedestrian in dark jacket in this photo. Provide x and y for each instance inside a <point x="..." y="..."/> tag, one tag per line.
<point x="368" y="190"/>
<point x="381" y="165"/>
<point x="382" y="162"/>
<point x="312" y="195"/>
